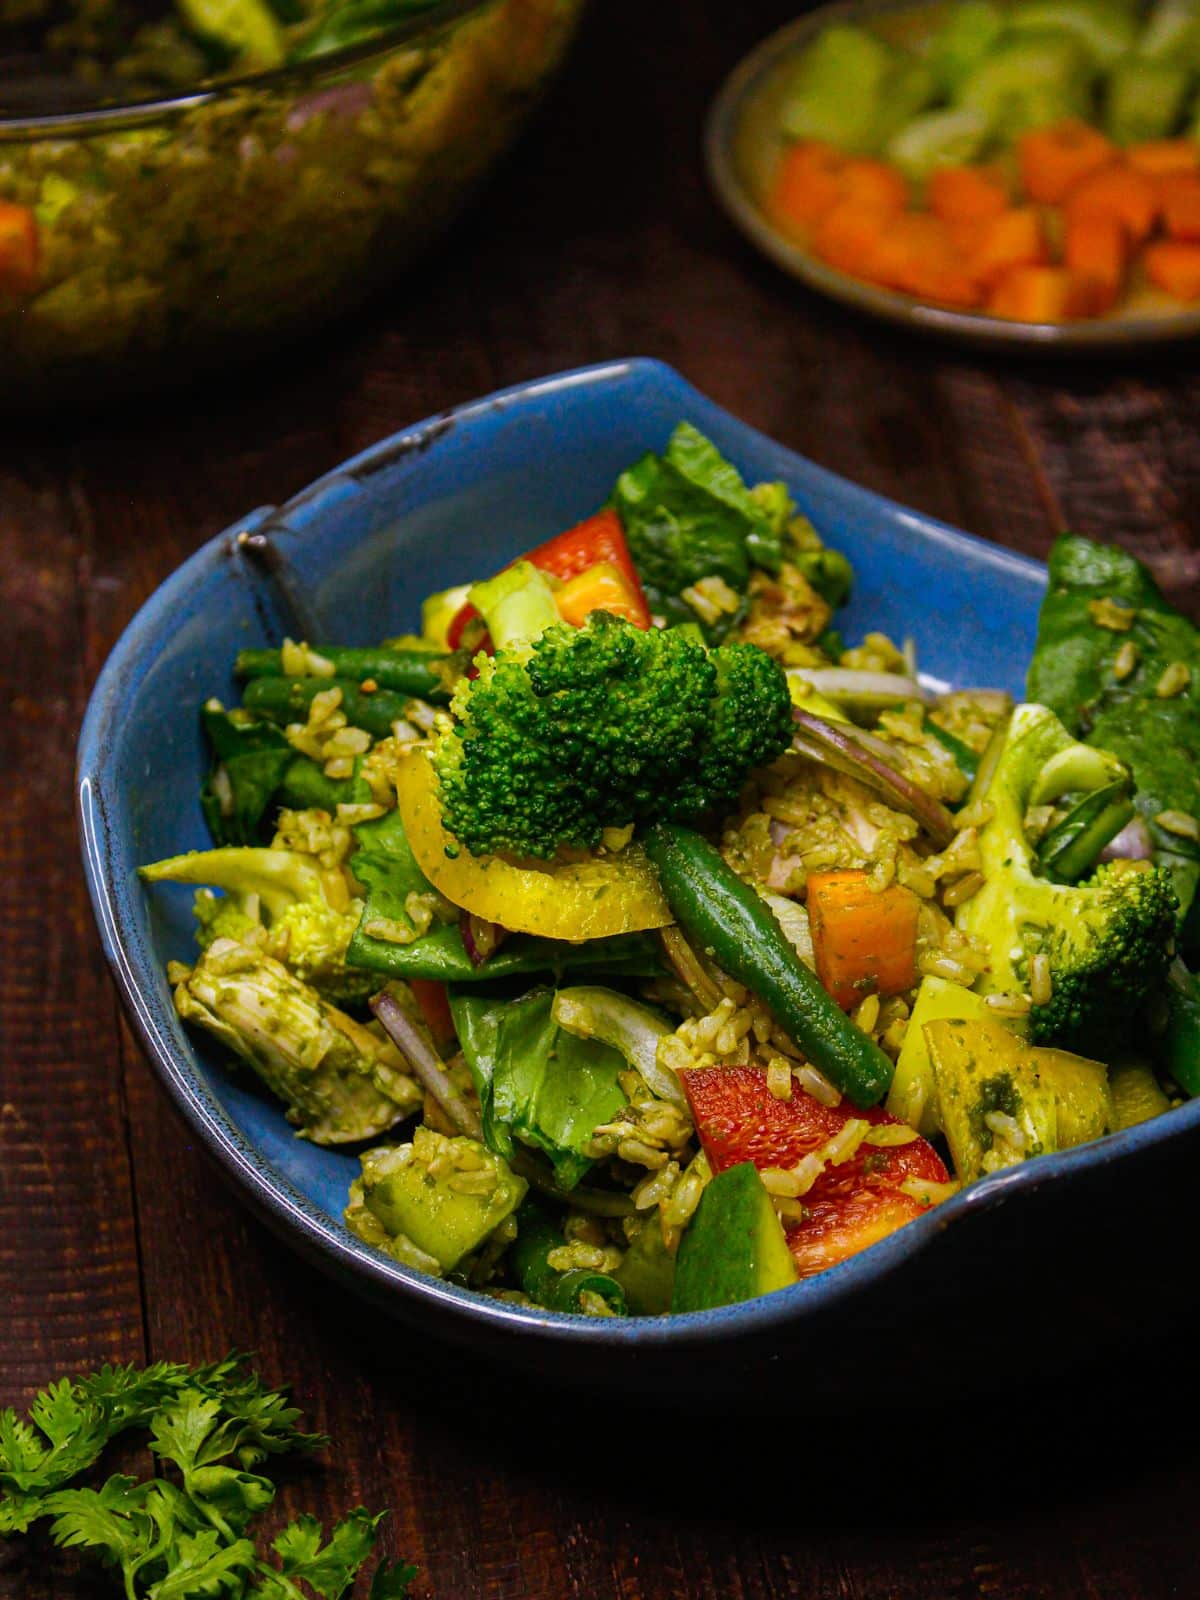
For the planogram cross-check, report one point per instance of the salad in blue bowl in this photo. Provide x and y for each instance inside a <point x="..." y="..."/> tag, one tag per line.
<point x="640" y="935"/>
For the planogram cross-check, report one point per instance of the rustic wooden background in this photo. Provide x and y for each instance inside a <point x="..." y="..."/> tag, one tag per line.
<point x="117" y="1241"/>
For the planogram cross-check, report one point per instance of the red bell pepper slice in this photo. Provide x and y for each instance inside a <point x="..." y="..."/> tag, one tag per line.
<point x="597" y="539"/>
<point x="431" y="996"/>
<point x="852" y="1204"/>
<point x="18" y="249"/>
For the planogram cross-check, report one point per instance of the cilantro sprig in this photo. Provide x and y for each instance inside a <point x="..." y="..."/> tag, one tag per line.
<point x="187" y="1532"/>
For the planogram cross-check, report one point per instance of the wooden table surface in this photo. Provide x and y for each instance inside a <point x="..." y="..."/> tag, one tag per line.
<point x="117" y="1240"/>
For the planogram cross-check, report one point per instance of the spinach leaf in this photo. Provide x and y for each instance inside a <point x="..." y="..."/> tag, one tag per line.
<point x="687" y="516"/>
<point x="536" y="1083"/>
<point x="254" y="757"/>
<point x="1072" y="672"/>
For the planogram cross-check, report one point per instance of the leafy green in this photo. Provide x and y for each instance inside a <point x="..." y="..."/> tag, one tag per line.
<point x="687" y="516"/>
<point x="251" y="759"/>
<point x="184" y="1534"/>
<point x="1072" y="672"/>
<point x="537" y="1083"/>
<point x="385" y="865"/>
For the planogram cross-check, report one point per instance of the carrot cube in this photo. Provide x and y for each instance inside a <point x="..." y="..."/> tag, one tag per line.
<point x="1180" y="195"/>
<point x="874" y="183"/>
<point x="865" y="941"/>
<point x="929" y="265"/>
<point x="1096" y="250"/>
<point x="854" y="238"/>
<point x="966" y="194"/>
<point x="1053" y="160"/>
<point x="18" y="249"/>
<point x="1121" y="192"/>
<point x="1160" y="158"/>
<point x="1040" y="294"/>
<point x="1174" y="265"/>
<point x="808" y="183"/>
<point x="1015" y="238"/>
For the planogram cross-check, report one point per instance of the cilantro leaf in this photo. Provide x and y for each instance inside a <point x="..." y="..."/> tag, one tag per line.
<point x="330" y="1568"/>
<point x="391" y="1581"/>
<point x="201" y="1566"/>
<point x="186" y="1539"/>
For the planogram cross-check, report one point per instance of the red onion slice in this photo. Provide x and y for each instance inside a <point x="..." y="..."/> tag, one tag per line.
<point x="1133" y="843"/>
<point x="832" y="744"/>
<point x="862" y="691"/>
<point x="426" y="1063"/>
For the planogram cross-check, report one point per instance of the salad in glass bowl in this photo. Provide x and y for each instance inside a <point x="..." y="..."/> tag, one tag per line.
<point x="654" y="946"/>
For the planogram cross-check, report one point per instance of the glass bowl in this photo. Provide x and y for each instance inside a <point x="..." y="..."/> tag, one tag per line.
<point x="151" y="241"/>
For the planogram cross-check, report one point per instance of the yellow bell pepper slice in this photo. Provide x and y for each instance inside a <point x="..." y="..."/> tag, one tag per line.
<point x="578" y="900"/>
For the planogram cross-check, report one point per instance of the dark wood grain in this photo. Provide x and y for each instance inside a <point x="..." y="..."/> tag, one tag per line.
<point x="117" y="1240"/>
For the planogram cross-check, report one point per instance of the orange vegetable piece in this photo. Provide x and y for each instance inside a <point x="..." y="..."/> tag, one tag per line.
<point x="1174" y="265"/>
<point x="930" y="264"/>
<point x="808" y="183"/>
<point x="1055" y="159"/>
<point x="1160" y="158"/>
<point x="1016" y="238"/>
<point x="874" y="183"/>
<point x="966" y="194"/>
<point x="1041" y="294"/>
<point x="603" y="587"/>
<point x="865" y="942"/>
<point x="1096" y="250"/>
<point x="1180" y="195"/>
<point x="1121" y="192"/>
<point x="854" y="238"/>
<point x="18" y="249"/>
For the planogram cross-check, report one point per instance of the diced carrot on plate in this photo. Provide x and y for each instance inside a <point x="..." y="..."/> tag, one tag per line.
<point x="928" y="263"/>
<point x="856" y="238"/>
<point x="1015" y="238"/>
<point x="1180" y="195"/>
<point x="875" y="183"/>
<point x="18" y="249"/>
<point x="1174" y="265"/>
<point x="1053" y="160"/>
<point x="808" y="183"/>
<point x="1121" y="192"/>
<point x="1160" y="158"/>
<point x="966" y="194"/>
<point x="1041" y="294"/>
<point x="1096" y="250"/>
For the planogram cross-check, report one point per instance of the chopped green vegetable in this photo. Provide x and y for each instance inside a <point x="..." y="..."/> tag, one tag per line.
<point x="1073" y="671"/>
<point x="688" y="517"/>
<point x="189" y="1532"/>
<point x="277" y="901"/>
<point x="1028" y="81"/>
<point x="601" y="727"/>
<point x="538" y="1084"/>
<point x="735" y="1248"/>
<point x="1103" y="944"/>
<point x="444" y="1195"/>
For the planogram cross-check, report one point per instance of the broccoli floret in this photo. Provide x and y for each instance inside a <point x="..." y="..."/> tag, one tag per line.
<point x="1107" y="939"/>
<point x="279" y="901"/>
<point x="602" y="727"/>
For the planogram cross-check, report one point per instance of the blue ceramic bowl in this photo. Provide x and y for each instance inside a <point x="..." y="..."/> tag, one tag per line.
<point x="1009" y="1264"/>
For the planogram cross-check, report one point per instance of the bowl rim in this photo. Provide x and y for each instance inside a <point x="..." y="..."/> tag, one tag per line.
<point x="136" y="113"/>
<point x="403" y="1290"/>
<point x="721" y="126"/>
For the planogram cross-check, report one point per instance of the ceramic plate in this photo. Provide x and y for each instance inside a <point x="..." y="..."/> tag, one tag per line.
<point x="456" y="496"/>
<point x="742" y="145"/>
